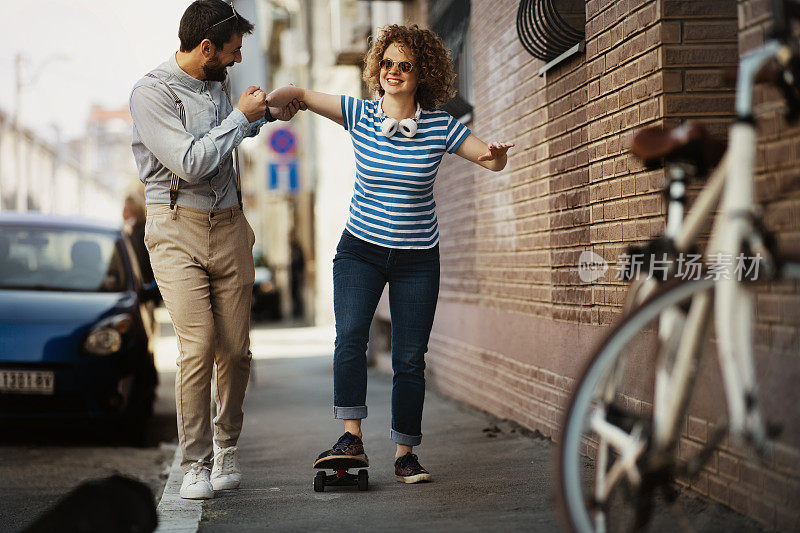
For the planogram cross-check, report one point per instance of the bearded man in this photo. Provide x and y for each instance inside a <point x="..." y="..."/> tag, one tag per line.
<point x="185" y="131"/>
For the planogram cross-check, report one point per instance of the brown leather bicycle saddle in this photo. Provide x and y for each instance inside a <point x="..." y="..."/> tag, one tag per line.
<point x="689" y="142"/>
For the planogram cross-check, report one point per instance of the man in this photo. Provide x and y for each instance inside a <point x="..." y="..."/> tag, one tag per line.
<point x="200" y="245"/>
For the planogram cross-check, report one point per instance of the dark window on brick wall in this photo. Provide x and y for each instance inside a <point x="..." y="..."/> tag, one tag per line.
<point x="450" y="21"/>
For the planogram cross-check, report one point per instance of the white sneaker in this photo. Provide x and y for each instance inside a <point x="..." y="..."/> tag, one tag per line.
<point x="226" y="473"/>
<point x="196" y="485"/>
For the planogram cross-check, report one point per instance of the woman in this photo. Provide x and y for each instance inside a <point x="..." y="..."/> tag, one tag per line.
<point x="133" y="216"/>
<point x="392" y="234"/>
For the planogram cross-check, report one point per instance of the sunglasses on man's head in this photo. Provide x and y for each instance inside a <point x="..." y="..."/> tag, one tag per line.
<point x="234" y="16"/>
<point x="404" y="66"/>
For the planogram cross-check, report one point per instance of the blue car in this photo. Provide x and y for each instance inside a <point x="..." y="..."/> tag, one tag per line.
<point x="76" y="326"/>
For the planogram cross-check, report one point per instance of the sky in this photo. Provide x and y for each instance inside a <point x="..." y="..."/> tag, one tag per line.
<point x="80" y="52"/>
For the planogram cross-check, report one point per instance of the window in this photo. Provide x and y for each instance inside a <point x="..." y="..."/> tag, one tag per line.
<point x="450" y="21"/>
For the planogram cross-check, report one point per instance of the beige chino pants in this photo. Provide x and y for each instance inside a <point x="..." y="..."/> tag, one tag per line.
<point x="203" y="263"/>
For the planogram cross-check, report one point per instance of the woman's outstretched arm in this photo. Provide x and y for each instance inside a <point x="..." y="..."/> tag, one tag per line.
<point x="492" y="156"/>
<point x="326" y="105"/>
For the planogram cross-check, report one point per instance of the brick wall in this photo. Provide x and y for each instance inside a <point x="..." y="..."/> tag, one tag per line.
<point x="515" y="324"/>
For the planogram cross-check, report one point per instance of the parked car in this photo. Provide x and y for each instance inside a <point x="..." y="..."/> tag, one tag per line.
<point x="266" y="302"/>
<point x="76" y="328"/>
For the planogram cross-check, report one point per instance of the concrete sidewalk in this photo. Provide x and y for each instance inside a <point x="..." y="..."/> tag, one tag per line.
<point x="483" y="480"/>
<point x="480" y="482"/>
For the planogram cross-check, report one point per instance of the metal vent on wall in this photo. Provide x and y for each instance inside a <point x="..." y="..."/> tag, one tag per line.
<point x="548" y="29"/>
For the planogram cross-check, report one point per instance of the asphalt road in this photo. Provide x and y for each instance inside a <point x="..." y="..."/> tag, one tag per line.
<point x="40" y="463"/>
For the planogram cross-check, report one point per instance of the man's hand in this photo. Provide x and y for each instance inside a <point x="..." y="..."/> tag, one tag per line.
<point x="253" y="103"/>
<point x="288" y="111"/>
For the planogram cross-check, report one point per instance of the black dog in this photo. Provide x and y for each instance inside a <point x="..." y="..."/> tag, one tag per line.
<point x="114" y="504"/>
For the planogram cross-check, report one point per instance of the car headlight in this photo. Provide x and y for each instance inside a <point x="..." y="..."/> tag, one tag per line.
<point x="105" y="337"/>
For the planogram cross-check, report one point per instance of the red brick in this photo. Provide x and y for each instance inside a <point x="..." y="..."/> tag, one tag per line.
<point x="670" y="32"/>
<point x="698" y="429"/>
<point x="707" y="80"/>
<point x="697" y="105"/>
<point x="700" y="483"/>
<point x="728" y="466"/>
<point x="775" y="486"/>
<point x="718" y="490"/>
<point x="672" y="81"/>
<point x="768" y="307"/>
<point x="739" y="499"/>
<point x="751" y="475"/>
<point x="707" y="8"/>
<point x="700" y="55"/>
<point x="706" y="31"/>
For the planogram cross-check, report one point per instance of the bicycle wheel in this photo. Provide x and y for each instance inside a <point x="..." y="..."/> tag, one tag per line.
<point x="607" y="470"/>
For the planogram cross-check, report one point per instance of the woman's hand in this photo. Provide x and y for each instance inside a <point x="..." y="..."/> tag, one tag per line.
<point x="283" y="96"/>
<point x="496" y="151"/>
<point x="475" y="150"/>
<point x="288" y="111"/>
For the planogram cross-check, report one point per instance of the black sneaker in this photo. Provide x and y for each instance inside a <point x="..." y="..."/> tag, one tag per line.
<point x="408" y="470"/>
<point x="348" y="446"/>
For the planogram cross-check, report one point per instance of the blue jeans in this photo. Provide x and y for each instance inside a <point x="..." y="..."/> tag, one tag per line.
<point x="360" y="271"/>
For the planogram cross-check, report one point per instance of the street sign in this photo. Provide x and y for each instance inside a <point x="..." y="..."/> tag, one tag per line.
<point x="282" y="176"/>
<point x="283" y="141"/>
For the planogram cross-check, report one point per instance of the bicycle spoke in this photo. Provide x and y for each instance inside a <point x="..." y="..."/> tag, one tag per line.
<point x="618" y="487"/>
<point x="629" y="448"/>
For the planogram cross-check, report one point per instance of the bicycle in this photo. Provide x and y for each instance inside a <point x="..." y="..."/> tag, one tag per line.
<point x="627" y="409"/>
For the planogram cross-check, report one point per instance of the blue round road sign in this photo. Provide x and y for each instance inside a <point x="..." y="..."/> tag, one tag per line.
<point x="282" y="141"/>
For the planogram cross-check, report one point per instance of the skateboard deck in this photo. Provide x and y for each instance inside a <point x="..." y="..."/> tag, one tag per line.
<point x="341" y="477"/>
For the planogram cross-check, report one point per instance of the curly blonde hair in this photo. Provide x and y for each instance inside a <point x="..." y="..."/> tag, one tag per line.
<point x="435" y="71"/>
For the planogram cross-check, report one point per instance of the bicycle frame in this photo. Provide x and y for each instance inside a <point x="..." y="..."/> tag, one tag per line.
<point x="733" y="182"/>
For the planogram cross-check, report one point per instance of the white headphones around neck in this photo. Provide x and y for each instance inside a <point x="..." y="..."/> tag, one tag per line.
<point x="390" y="126"/>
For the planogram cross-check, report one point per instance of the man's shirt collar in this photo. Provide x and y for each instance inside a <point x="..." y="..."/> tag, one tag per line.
<point x="193" y="83"/>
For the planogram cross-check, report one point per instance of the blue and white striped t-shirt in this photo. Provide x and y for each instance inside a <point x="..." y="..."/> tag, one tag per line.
<point x="392" y="203"/>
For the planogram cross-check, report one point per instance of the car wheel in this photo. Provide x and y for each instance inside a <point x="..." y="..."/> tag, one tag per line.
<point x="133" y="427"/>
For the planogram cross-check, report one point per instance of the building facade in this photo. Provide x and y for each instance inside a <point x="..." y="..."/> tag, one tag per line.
<point x="44" y="176"/>
<point x="515" y="324"/>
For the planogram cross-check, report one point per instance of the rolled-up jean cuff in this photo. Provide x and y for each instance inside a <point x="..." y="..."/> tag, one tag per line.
<point x="350" y="413"/>
<point x="405" y="440"/>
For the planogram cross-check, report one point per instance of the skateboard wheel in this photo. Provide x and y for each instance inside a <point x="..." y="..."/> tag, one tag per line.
<point x="319" y="482"/>
<point x="363" y="480"/>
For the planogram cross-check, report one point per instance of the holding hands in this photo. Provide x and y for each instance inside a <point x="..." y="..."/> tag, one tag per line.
<point x="287" y="111"/>
<point x="253" y="103"/>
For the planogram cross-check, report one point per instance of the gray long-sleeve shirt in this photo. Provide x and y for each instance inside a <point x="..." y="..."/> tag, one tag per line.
<point x="200" y="153"/>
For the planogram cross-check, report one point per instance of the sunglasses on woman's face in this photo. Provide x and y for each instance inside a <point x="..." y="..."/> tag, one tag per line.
<point x="404" y="66"/>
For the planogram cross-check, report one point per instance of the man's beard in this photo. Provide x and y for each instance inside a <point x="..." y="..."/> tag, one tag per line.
<point x="214" y="72"/>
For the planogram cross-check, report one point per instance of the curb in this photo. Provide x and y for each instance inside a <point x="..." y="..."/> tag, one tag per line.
<point x="175" y="514"/>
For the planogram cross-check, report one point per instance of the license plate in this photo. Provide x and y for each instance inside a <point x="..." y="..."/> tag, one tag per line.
<point x="27" y="381"/>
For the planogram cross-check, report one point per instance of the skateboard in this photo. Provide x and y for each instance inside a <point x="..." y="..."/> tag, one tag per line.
<point x="341" y="477"/>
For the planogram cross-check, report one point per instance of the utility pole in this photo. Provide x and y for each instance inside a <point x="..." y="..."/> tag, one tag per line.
<point x="20" y="84"/>
<point x="21" y="178"/>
